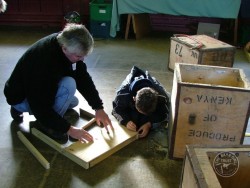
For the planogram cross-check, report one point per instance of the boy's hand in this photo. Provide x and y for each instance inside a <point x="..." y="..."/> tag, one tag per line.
<point x="144" y="130"/>
<point x="131" y="126"/>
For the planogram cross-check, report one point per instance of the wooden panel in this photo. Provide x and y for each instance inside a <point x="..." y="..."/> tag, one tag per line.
<point x="85" y="7"/>
<point x="89" y="154"/>
<point x="30" y="6"/>
<point x="70" y="5"/>
<point x="180" y="53"/>
<point x="179" y="24"/>
<point x="54" y="7"/>
<point x="12" y="7"/>
<point x="42" y="12"/>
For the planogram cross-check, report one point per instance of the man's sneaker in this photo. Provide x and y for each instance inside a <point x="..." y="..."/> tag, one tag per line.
<point x="16" y="115"/>
<point x="71" y="116"/>
<point x="61" y="138"/>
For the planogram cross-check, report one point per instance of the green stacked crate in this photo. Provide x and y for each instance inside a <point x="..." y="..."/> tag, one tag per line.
<point x="100" y="18"/>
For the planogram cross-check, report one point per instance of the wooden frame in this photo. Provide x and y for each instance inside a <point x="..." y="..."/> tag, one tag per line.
<point x="89" y="154"/>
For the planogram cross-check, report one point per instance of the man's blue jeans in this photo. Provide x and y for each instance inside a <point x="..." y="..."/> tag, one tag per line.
<point x="65" y="98"/>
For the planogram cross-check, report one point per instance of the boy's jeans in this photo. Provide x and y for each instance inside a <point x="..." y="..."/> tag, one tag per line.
<point x="64" y="99"/>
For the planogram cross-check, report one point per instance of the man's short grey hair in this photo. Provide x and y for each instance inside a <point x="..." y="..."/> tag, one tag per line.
<point x="76" y="38"/>
<point x="3" y="6"/>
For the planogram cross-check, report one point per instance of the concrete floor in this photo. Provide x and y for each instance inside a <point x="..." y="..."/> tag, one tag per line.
<point x="143" y="163"/>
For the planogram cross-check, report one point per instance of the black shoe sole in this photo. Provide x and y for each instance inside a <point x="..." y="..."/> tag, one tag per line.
<point x="16" y="115"/>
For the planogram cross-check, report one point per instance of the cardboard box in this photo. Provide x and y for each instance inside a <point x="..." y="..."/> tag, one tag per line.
<point x="216" y="167"/>
<point x="200" y="49"/>
<point x="209" y="105"/>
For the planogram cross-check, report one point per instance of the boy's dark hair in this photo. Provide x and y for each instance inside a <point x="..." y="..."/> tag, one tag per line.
<point x="146" y="100"/>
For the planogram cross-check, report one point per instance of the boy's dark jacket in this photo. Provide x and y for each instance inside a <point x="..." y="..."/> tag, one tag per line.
<point x="124" y="108"/>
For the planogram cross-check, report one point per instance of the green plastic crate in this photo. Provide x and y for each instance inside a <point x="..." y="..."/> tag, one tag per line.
<point x="101" y="10"/>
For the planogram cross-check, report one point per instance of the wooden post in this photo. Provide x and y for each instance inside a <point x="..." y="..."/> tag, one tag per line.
<point x="236" y="22"/>
<point x="128" y="25"/>
<point x="140" y="23"/>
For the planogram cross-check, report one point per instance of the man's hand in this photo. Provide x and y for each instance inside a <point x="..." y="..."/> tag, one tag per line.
<point x="144" y="129"/>
<point x="80" y="134"/>
<point x="102" y="118"/>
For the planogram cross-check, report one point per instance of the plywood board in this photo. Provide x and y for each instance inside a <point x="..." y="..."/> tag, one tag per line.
<point x="89" y="154"/>
<point x="103" y="146"/>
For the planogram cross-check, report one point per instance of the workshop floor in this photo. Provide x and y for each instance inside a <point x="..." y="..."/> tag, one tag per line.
<point x="143" y="163"/>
